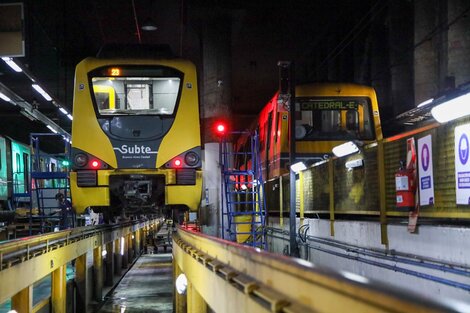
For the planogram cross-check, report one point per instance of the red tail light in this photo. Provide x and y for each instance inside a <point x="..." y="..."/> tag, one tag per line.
<point x="95" y="164"/>
<point x="177" y="163"/>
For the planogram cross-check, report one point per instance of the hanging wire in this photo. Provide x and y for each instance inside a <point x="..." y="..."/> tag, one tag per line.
<point x="136" y="22"/>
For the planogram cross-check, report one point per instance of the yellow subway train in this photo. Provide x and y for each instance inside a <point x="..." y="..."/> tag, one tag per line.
<point x="136" y="144"/>
<point x="327" y="115"/>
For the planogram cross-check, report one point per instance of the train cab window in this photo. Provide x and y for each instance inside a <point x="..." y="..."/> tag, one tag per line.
<point x="333" y="119"/>
<point x="134" y="91"/>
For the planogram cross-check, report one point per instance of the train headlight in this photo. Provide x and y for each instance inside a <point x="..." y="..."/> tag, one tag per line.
<point x="80" y="159"/>
<point x="191" y="158"/>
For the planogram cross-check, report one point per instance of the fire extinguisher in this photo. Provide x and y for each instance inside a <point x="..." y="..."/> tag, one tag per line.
<point x="405" y="187"/>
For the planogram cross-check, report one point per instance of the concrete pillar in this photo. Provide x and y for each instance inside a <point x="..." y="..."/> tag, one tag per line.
<point x="457" y="40"/>
<point x="98" y="273"/>
<point x="401" y="56"/>
<point x="117" y="257"/>
<point x="426" y="62"/>
<point x="124" y="252"/>
<point x="81" y="282"/>
<point x="59" y="290"/>
<point x="179" y="304"/>
<point x="109" y="280"/>
<point x="23" y="300"/>
<point x="195" y="302"/>
<point x="216" y="89"/>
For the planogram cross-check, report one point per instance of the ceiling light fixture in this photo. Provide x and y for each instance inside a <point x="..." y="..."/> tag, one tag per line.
<point x="42" y="92"/>
<point x="2" y="96"/>
<point x="63" y="110"/>
<point x="149" y="25"/>
<point x="12" y="64"/>
<point x="422" y="104"/>
<point x="452" y="109"/>
<point x="52" y="129"/>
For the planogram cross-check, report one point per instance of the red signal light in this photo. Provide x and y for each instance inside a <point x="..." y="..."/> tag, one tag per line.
<point x="95" y="164"/>
<point x="220" y="128"/>
<point x="177" y="162"/>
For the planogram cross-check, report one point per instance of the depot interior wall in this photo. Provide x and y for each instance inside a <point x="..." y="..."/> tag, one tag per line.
<point x="443" y="243"/>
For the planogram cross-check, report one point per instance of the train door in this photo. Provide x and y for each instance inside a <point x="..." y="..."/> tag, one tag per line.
<point x="17" y="173"/>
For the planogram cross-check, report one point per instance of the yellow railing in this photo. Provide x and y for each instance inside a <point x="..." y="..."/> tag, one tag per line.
<point x="27" y="260"/>
<point x="231" y="278"/>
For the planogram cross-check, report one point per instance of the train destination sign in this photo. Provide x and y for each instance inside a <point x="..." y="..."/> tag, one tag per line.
<point x="329" y="105"/>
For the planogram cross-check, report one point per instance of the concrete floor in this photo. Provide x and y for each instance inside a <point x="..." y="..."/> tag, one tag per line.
<point x="147" y="287"/>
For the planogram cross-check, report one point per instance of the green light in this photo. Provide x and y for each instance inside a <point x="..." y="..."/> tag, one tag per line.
<point x="65" y="163"/>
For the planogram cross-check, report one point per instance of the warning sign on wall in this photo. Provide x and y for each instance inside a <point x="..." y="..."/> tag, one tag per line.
<point x="462" y="164"/>
<point x="425" y="172"/>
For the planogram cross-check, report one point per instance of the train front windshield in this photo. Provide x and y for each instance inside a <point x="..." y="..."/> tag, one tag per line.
<point x="133" y="95"/>
<point x="334" y="119"/>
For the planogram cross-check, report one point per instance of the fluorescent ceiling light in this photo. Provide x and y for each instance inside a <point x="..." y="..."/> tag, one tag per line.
<point x="345" y="149"/>
<point x="42" y="92"/>
<point x="422" y="104"/>
<point x="12" y="64"/>
<point x="52" y="129"/>
<point x="70" y="117"/>
<point x="452" y="109"/>
<point x="63" y="110"/>
<point x="2" y="96"/>
<point x="297" y="167"/>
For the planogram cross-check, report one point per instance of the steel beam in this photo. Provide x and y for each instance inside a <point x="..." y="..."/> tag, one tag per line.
<point x="81" y="283"/>
<point x="23" y="300"/>
<point x="59" y="290"/>
<point x="117" y="257"/>
<point x="196" y="303"/>
<point x="109" y="280"/>
<point x="98" y="273"/>
<point x="130" y="248"/>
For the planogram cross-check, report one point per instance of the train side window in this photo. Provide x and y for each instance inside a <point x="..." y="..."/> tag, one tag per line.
<point x="0" y="159"/>
<point x="268" y="131"/>
<point x="26" y="171"/>
<point x="352" y="120"/>
<point x="18" y="162"/>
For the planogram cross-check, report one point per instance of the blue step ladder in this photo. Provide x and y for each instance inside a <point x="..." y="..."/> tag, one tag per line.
<point x="242" y="192"/>
<point x="49" y="176"/>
